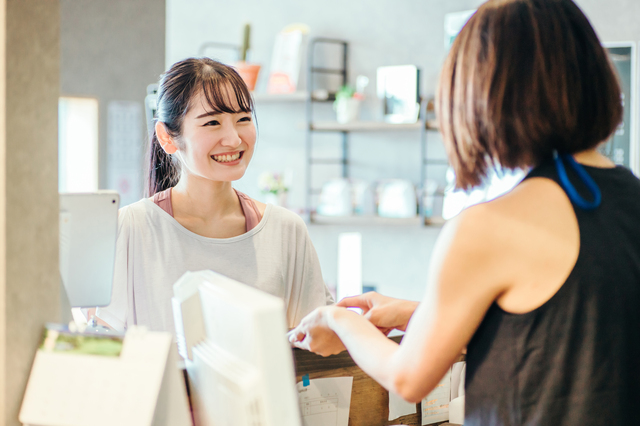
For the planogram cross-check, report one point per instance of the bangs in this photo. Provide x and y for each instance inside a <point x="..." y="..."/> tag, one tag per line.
<point x="220" y="87"/>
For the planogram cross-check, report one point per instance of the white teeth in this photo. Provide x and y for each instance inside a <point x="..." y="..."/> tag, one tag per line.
<point x="226" y="158"/>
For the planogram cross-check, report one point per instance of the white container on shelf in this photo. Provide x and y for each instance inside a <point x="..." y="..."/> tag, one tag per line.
<point x="397" y="199"/>
<point x="335" y="198"/>
<point x="428" y="197"/>
<point x="347" y="110"/>
<point x="363" y="193"/>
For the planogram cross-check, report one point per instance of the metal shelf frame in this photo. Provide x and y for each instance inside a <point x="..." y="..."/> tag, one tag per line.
<point x="423" y="125"/>
<point x="312" y="70"/>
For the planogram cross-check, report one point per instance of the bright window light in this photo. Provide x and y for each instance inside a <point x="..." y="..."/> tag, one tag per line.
<point x="77" y="144"/>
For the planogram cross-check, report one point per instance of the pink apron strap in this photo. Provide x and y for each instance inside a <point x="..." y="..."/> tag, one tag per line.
<point x="163" y="200"/>
<point x="251" y="213"/>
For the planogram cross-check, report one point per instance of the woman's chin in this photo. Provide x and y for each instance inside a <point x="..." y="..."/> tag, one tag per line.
<point x="228" y="176"/>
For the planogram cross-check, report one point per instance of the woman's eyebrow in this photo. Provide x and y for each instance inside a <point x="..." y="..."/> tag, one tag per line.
<point x="207" y="114"/>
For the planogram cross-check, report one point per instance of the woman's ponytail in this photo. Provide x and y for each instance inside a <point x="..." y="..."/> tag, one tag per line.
<point x="162" y="171"/>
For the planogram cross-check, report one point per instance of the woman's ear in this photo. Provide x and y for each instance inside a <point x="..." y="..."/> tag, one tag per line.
<point x="165" y="139"/>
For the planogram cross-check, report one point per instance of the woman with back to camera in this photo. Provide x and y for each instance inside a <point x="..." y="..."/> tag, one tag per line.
<point x="204" y="139"/>
<point x="542" y="285"/>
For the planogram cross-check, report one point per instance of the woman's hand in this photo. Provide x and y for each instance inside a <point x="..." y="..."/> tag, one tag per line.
<point x="314" y="333"/>
<point x="384" y="312"/>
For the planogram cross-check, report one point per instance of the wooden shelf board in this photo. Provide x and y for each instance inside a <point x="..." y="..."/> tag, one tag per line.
<point x="361" y="126"/>
<point x="280" y="97"/>
<point x="436" y="221"/>
<point x="432" y="125"/>
<point x="371" y="221"/>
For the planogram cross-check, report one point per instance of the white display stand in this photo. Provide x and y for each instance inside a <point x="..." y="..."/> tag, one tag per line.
<point x="142" y="386"/>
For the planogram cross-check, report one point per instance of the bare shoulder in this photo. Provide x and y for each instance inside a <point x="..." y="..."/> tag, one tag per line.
<point x="522" y="229"/>
<point x="534" y="209"/>
<point x="537" y="203"/>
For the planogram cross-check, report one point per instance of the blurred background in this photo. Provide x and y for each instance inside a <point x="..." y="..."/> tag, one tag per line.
<point x="340" y="142"/>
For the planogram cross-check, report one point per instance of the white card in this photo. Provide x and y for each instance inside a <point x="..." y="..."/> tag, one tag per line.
<point x="325" y="402"/>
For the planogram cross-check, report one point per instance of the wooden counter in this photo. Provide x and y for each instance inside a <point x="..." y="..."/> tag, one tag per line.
<point x="369" y="400"/>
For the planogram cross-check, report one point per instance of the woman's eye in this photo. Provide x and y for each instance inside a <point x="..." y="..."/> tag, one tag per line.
<point x="212" y="123"/>
<point x="245" y="119"/>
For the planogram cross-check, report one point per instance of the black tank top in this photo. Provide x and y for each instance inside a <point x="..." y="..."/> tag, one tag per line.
<point x="576" y="359"/>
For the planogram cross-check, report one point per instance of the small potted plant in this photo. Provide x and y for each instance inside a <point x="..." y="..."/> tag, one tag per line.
<point x="248" y="71"/>
<point x="348" y="99"/>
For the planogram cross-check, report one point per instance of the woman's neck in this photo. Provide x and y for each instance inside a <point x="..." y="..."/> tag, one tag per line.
<point x="204" y="199"/>
<point x="593" y="158"/>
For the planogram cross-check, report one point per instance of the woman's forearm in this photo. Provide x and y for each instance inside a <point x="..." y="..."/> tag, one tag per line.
<point x="362" y="339"/>
<point x="408" y="308"/>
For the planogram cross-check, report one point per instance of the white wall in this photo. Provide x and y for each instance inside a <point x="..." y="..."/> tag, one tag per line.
<point x="614" y="20"/>
<point x="380" y="32"/>
<point x="110" y="51"/>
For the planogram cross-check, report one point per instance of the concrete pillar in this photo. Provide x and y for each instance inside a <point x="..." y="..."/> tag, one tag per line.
<point x="29" y="276"/>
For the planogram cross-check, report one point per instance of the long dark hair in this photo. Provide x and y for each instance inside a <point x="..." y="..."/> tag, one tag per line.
<point x="177" y="88"/>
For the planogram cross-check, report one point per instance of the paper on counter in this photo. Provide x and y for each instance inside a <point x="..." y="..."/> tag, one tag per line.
<point x="456" y="406"/>
<point x="435" y="407"/>
<point x="326" y="402"/>
<point x="398" y="407"/>
<point x="456" y="411"/>
<point x="457" y="379"/>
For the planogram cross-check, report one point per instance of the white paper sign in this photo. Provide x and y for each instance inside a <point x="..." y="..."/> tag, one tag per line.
<point x="435" y="407"/>
<point x="325" y="402"/>
<point x="398" y="407"/>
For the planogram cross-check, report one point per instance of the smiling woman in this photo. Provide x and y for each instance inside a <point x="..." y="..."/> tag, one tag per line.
<point x="193" y="219"/>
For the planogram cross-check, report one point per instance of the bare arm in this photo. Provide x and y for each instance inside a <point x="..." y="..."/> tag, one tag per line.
<point x="386" y="313"/>
<point x="517" y="250"/>
<point x="464" y="280"/>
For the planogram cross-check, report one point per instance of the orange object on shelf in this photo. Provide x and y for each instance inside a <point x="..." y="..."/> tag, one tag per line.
<point x="249" y="73"/>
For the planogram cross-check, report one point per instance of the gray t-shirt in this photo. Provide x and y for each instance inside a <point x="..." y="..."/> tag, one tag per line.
<point x="153" y="250"/>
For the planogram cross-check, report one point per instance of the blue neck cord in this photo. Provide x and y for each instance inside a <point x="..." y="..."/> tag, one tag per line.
<point x="583" y="175"/>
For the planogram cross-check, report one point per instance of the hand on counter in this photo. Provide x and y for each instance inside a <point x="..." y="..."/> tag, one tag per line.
<point x="384" y="312"/>
<point x="314" y="334"/>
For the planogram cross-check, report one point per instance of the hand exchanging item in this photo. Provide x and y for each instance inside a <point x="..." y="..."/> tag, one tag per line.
<point x="314" y="333"/>
<point x="386" y="313"/>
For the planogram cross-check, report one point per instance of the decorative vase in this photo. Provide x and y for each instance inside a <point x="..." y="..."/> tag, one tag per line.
<point x="347" y="109"/>
<point x="249" y="73"/>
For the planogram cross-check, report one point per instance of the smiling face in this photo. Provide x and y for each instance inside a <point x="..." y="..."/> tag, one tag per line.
<point x="216" y="145"/>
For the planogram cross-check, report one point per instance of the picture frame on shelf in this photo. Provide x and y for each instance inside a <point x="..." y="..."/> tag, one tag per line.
<point x="286" y="61"/>
<point x="623" y="147"/>
<point x="399" y="89"/>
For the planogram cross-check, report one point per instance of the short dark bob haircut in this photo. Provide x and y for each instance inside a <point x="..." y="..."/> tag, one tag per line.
<point x="524" y="78"/>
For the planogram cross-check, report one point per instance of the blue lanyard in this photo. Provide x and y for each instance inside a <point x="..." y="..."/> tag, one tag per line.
<point x="583" y="175"/>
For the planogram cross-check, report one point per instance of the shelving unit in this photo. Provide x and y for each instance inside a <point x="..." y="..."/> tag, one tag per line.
<point x="360" y="126"/>
<point x="343" y="130"/>
<point x="371" y="221"/>
<point x="281" y="97"/>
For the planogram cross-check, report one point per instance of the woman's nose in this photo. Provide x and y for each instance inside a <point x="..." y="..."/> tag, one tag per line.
<point x="231" y="138"/>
